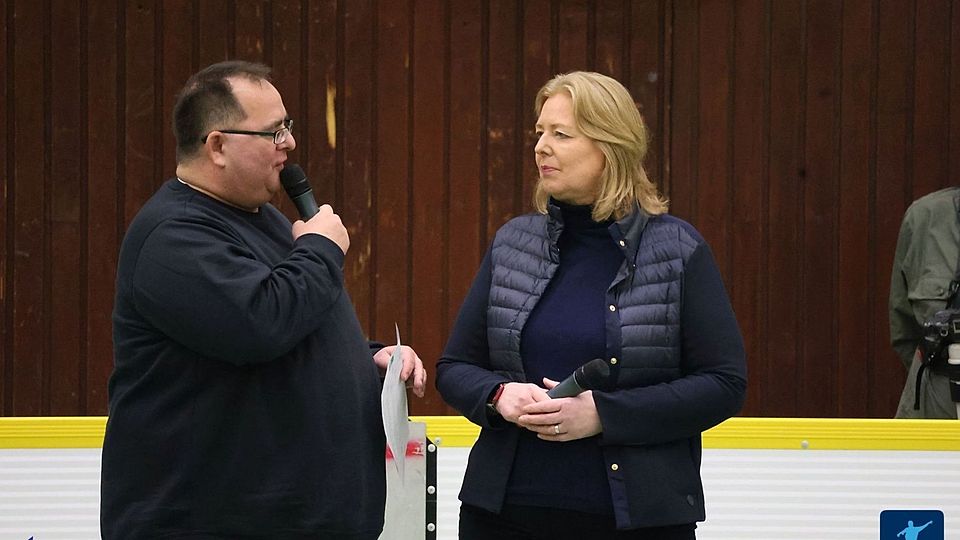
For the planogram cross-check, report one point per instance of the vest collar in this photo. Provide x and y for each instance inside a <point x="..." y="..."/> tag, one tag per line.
<point x="625" y="233"/>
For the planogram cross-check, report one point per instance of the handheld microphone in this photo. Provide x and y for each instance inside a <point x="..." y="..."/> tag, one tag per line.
<point x="593" y="375"/>
<point x="295" y="183"/>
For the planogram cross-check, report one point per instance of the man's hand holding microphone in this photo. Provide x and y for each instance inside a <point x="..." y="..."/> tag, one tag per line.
<point x="325" y="222"/>
<point x="313" y="220"/>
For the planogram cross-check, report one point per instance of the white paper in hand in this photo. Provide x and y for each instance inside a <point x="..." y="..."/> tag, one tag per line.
<point x="393" y="401"/>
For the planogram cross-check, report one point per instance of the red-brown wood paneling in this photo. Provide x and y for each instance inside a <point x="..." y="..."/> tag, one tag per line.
<point x="539" y="59"/>
<point x="318" y="124"/>
<point x="820" y="194"/>
<point x="954" y="132"/>
<point x="792" y="134"/>
<point x="28" y="328"/>
<point x="102" y="116"/>
<point x="748" y="284"/>
<point x="778" y="367"/>
<point x="861" y="342"/>
<point x="466" y="154"/>
<point x="6" y="232"/>
<point x="647" y="76"/>
<point x="66" y="196"/>
<point x="684" y="108"/>
<point x="427" y="303"/>
<point x="356" y="134"/>
<point x="504" y="115"/>
<point x="391" y="256"/>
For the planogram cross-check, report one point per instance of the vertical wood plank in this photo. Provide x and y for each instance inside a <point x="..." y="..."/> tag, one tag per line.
<point x="66" y="213"/>
<point x="647" y="77"/>
<point x="747" y="283"/>
<point x="354" y="138"/>
<point x="684" y="112"/>
<point x="7" y="104"/>
<point x="859" y="282"/>
<point x="429" y="241"/>
<point x="140" y="117"/>
<point x="712" y="216"/>
<point x="30" y="278"/>
<point x="537" y="70"/>
<point x="571" y="38"/>
<point x="249" y="29"/>
<point x="320" y="118"/>
<point x="392" y="173"/>
<point x="895" y="77"/>
<point x="465" y="166"/>
<point x="893" y="189"/>
<point x="213" y="25"/>
<point x="954" y="132"/>
<point x="931" y="97"/>
<point x="821" y="187"/>
<point x="285" y="31"/>
<point x="778" y="368"/>
<point x="284" y="26"/>
<point x="176" y="66"/>
<point x="610" y="31"/>
<point x="502" y="115"/>
<point x="104" y="213"/>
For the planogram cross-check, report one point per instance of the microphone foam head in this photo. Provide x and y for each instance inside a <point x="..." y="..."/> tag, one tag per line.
<point x="294" y="180"/>
<point x="595" y="375"/>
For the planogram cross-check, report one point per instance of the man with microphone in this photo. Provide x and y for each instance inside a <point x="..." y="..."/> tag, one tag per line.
<point x="244" y="401"/>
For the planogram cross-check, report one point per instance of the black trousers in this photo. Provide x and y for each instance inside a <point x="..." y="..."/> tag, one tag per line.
<point x="517" y="522"/>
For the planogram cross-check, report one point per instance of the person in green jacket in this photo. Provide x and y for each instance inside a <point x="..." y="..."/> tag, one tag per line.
<point x="924" y="266"/>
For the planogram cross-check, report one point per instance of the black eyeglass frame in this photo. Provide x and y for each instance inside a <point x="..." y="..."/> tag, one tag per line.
<point x="278" y="136"/>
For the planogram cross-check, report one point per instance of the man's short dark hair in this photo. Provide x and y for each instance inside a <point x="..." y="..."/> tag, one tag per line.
<point x="207" y="102"/>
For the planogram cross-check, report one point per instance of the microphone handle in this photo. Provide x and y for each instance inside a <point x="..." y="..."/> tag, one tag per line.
<point x="567" y="388"/>
<point x="306" y="205"/>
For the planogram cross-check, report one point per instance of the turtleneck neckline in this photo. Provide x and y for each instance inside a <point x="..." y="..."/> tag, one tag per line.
<point x="579" y="216"/>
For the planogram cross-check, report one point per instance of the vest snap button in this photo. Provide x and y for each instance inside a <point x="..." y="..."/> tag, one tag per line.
<point x="614" y="467"/>
<point x="613" y="361"/>
<point x="613" y="307"/>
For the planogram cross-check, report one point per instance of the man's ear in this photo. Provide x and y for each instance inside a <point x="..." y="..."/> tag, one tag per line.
<point x="214" y="148"/>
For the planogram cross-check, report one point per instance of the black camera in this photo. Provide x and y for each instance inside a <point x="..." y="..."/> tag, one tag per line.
<point x="939" y="332"/>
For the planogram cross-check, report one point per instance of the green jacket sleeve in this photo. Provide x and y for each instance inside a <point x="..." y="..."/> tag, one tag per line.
<point x="925" y="262"/>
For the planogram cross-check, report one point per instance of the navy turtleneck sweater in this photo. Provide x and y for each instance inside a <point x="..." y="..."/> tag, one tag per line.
<point x="565" y="330"/>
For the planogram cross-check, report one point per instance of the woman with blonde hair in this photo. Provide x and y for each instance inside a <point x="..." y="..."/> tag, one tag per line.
<point x="600" y="271"/>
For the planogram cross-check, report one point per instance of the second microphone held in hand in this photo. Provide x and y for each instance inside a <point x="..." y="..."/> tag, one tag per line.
<point x="594" y="375"/>
<point x="295" y="183"/>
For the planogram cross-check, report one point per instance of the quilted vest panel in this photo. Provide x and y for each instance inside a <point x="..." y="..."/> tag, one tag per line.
<point x="648" y="295"/>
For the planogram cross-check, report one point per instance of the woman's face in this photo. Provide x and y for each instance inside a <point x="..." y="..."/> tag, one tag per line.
<point x="570" y="163"/>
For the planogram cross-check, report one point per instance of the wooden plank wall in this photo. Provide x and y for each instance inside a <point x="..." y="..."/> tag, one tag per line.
<point x="792" y="133"/>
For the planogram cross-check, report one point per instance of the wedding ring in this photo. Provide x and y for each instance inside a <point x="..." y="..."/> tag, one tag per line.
<point x="556" y="429"/>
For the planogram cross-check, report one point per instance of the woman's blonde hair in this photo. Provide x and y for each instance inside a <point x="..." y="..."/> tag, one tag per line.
<point x="604" y="111"/>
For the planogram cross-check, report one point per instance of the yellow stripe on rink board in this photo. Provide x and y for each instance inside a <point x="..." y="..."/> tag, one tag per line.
<point x="455" y="431"/>
<point x="450" y="431"/>
<point x="776" y="433"/>
<point x="52" y="431"/>
<point x="834" y="434"/>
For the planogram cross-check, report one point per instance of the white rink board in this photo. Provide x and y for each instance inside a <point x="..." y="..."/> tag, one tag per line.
<point x="53" y="494"/>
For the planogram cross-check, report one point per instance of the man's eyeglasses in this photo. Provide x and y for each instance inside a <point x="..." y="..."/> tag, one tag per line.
<point x="278" y="136"/>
